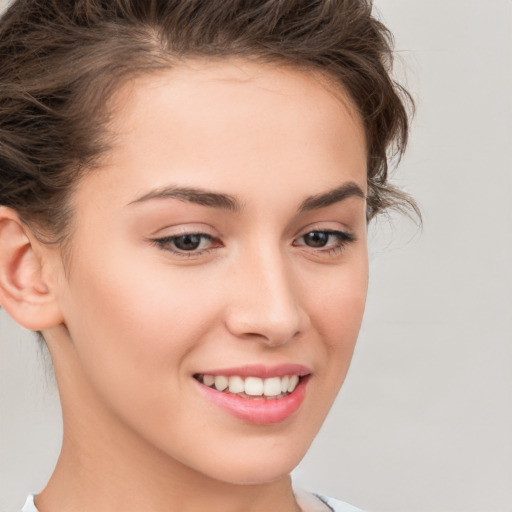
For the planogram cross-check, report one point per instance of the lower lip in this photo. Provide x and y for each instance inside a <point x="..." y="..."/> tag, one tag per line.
<point x="259" y="411"/>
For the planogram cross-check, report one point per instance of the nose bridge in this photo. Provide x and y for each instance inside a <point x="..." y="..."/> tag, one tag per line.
<point x="265" y="302"/>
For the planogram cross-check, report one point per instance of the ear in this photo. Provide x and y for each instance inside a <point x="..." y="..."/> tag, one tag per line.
<point x="26" y="292"/>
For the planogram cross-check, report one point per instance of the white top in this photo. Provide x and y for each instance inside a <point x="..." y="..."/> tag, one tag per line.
<point x="308" y="503"/>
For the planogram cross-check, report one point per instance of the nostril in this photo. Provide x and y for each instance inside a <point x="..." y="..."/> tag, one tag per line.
<point x="268" y="332"/>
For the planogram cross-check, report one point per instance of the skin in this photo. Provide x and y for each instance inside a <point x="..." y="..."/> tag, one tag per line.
<point x="129" y="322"/>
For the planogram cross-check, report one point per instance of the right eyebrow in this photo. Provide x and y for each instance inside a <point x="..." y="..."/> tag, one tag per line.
<point x="193" y="195"/>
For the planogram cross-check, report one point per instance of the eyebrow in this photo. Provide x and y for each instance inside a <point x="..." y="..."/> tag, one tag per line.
<point x="227" y="202"/>
<point x="193" y="195"/>
<point x="331" y="197"/>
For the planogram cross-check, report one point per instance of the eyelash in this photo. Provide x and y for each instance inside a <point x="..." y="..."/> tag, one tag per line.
<point x="342" y="240"/>
<point x="168" y="243"/>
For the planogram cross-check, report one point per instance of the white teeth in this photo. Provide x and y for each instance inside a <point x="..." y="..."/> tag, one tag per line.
<point x="221" y="382"/>
<point x="284" y="384"/>
<point x="253" y="386"/>
<point x="292" y="384"/>
<point x="236" y="385"/>
<point x="208" y="380"/>
<point x="272" y="387"/>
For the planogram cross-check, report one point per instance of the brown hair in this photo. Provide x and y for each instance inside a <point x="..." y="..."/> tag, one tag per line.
<point x="61" y="60"/>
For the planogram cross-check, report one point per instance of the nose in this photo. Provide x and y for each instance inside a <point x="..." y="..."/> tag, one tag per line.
<point x="264" y="300"/>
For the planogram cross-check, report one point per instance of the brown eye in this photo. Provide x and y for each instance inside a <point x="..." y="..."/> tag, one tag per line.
<point x="316" y="238"/>
<point x="189" y="242"/>
<point x="328" y="242"/>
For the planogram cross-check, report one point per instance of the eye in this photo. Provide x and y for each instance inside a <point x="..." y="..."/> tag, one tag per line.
<point x="190" y="242"/>
<point x="328" y="240"/>
<point x="187" y="244"/>
<point x="317" y="238"/>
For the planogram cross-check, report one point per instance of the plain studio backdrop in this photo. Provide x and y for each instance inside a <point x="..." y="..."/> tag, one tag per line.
<point x="424" y="421"/>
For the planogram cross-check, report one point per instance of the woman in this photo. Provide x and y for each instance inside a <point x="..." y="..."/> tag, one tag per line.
<point x="185" y="190"/>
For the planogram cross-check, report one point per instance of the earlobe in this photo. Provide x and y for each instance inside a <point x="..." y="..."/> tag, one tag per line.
<point x="24" y="291"/>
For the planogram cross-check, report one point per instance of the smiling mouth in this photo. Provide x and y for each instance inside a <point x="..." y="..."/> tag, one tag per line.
<point x="251" y="387"/>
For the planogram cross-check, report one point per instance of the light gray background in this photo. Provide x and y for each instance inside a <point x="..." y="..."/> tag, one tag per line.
<point x="424" y="422"/>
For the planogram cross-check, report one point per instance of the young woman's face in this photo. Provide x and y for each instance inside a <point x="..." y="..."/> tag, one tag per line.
<point x="222" y="243"/>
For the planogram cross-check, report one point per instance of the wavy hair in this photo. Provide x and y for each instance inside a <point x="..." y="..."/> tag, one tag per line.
<point x="61" y="61"/>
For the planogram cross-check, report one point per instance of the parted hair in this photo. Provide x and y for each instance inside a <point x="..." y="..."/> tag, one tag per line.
<point x="62" y="60"/>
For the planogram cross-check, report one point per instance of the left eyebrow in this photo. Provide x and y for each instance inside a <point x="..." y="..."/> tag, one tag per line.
<point x="331" y="197"/>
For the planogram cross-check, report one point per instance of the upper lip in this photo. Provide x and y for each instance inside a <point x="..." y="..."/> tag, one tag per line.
<point x="260" y="370"/>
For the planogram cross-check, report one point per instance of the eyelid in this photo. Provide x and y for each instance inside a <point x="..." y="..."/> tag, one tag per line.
<point x="325" y="227"/>
<point x="192" y="228"/>
<point x="343" y="236"/>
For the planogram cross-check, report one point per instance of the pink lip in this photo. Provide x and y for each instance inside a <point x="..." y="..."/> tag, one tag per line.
<point x="261" y="371"/>
<point x="259" y="411"/>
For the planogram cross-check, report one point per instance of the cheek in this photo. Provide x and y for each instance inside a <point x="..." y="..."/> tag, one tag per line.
<point x="336" y="313"/>
<point x="132" y="329"/>
<point x="338" y="306"/>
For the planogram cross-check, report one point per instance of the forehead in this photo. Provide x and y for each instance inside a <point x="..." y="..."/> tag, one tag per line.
<point x="234" y="123"/>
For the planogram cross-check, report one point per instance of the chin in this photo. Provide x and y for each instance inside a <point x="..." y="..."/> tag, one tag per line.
<point x="254" y="467"/>
<point x="250" y="475"/>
